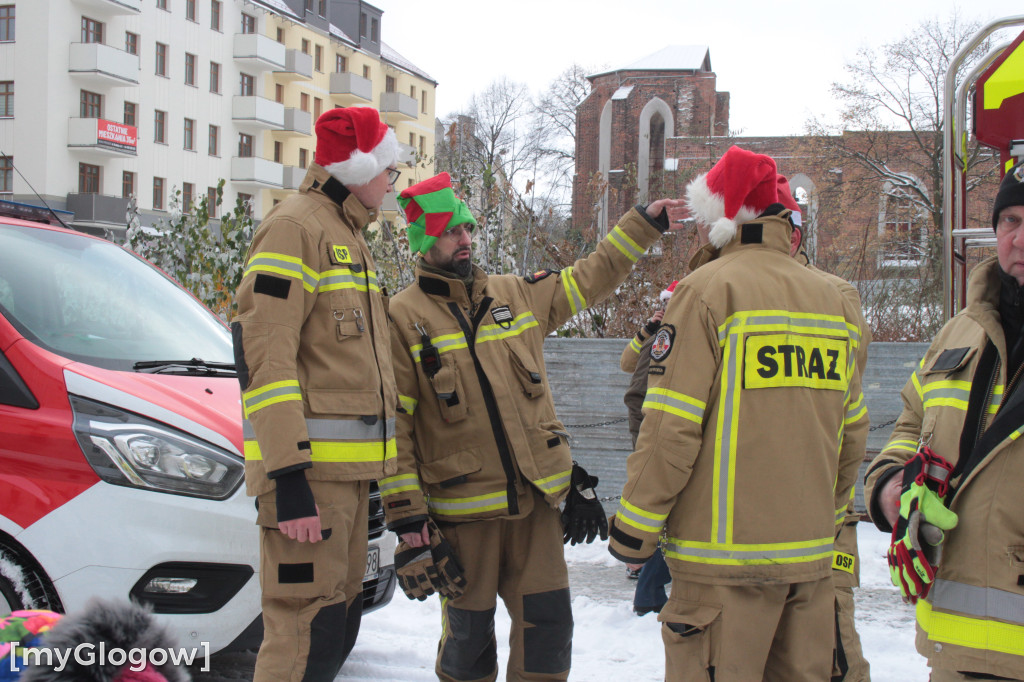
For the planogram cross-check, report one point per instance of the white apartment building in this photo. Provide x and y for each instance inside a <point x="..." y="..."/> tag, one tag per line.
<point x="104" y="99"/>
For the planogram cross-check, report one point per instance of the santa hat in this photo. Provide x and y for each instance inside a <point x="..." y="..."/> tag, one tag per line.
<point x="667" y="293"/>
<point x="787" y="200"/>
<point x="736" y="190"/>
<point x="431" y="207"/>
<point x="353" y="145"/>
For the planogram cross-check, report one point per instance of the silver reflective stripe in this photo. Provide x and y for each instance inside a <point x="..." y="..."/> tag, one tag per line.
<point x="638" y="519"/>
<point x="254" y="398"/>
<point x="980" y="602"/>
<point x="398" y="484"/>
<point x="738" y="555"/>
<point x="271" y="263"/>
<point x="954" y="393"/>
<point x="669" y="401"/>
<point x="338" y="278"/>
<point x="337" y="429"/>
<point x="776" y="321"/>
<point x="442" y="345"/>
<point x="468" y="505"/>
<point x="489" y="331"/>
<point x="724" y="445"/>
<point x="553" y="483"/>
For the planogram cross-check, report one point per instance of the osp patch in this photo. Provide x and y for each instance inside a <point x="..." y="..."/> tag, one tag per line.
<point x="662" y="344"/>
<point x="340" y="254"/>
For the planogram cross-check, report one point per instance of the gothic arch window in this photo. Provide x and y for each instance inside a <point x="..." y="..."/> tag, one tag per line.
<point x="604" y="164"/>
<point x="902" y="226"/>
<point x="656" y="124"/>
<point x="806" y="194"/>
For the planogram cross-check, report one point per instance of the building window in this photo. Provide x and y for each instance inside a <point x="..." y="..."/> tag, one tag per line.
<point x="215" y="15"/>
<point x="190" y="134"/>
<point x="188" y="195"/>
<point x="318" y="108"/>
<point x="246" y="85"/>
<point x="6" y="99"/>
<point x="211" y="201"/>
<point x="213" y="147"/>
<point x="375" y="30"/>
<point x="190" y="10"/>
<point x="277" y="151"/>
<point x="90" y="105"/>
<point x="423" y="101"/>
<point x="161" y="4"/>
<point x="244" y="145"/>
<point x="92" y="31"/>
<point x="158" y="194"/>
<point x="214" y="77"/>
<point x="323" y="8"/>
<point x="88" y="179"/>
<point x="6" y="174"/>
<point x="246" y="200"/>
<point x="304" y="101"/>
<point x="340" y="63"/>
<point x="131" y="42"/>
<point x="130" y="118"/>
<point x="318" y="58"/>
<point x="279" y="93"/>
<point x="412" y="91"/>
<point x="190" y="69"/>
<point x="303" y="158"/>
<point x="280" y="35"/>
<point x="161" y="59"/>
<point x="305" y="46"/>
<point x="160" y="126"/>
<point x="6" y="23"/>
<point x="389" y="83"/>
<point x="412" y="139"/>
<point x="362" y="25"/>
<point x="903" y="240"/>
<point x="309" y="5"/>
<point x="366" y="72"/>
<point x="248" y="23"/>
<point x="423" y="146"/>
<point x="127" y="184"/>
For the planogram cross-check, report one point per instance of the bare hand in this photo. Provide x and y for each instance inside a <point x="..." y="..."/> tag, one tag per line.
<point x="655" y="208"/>
<point x="306" y="529"/>
<point x="634" y="567"/>
<point x="889" y="498"/>
<point x="658" y="316"/>
<point x="414" y="539"/>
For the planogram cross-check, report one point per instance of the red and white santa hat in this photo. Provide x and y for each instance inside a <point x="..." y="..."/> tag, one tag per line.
<point x="667" y="293"/>
<point x="353" y="145"/>
<point x="786" y="199"/>
<point x="736" y="190"/>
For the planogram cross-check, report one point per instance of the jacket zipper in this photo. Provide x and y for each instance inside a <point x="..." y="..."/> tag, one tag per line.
<point x="983" y="422"/>
<point x="490" y="402"/>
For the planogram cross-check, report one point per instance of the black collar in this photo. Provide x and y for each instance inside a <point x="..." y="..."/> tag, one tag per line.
<point x="435" y="286"/>
<point x="336" y="191"/>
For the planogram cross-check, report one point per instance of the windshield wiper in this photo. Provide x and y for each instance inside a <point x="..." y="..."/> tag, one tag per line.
<point x="193" y="367"/>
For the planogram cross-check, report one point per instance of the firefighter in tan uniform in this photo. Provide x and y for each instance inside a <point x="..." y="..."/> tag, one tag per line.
<point x="318" y="396"/>
<point x="740" y="461"/>
<point x="481" y="451"/>
<point x="955" y="461"/>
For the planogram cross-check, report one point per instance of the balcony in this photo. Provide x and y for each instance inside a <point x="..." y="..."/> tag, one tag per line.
<point x="105" y="138"/>
<point x="403" y="106"/>
<point x="293" y="177"/>
<point x="257" y="113"/>
<point x="99" y="65"/>
<point x="298" y="66"/>
<point x="106" y="9"/>
<point x="297" y="122"/>
<point x="258" y="52"/>
<point x="256" y="173"/>
<point x="390" y="203"/>
<point x="98" y="210"/>
<point x="349" y="89"/>
<point x="406" y="154"/>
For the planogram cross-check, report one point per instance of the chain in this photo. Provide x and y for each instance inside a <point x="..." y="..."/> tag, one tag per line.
<point x="590" y="426"/>
<point x="882" y="426"/>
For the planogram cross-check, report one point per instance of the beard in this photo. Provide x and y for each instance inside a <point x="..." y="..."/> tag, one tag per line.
<point x="460" y="267"/>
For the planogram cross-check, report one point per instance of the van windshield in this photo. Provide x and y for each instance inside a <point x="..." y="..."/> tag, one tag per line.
<point x="91" y="301"/>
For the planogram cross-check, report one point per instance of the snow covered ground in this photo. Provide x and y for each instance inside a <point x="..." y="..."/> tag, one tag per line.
<point x="399" y="642"/>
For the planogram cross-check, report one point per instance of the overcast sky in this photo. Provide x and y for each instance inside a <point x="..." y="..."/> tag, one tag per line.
<point x="777" y="58"/>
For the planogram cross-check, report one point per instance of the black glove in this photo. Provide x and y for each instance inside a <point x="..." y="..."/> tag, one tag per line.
<point x="422" y="571"/>
<point x="294" y="496"/>
<point x="583" y="516"/>
<point x="451" y="579"/>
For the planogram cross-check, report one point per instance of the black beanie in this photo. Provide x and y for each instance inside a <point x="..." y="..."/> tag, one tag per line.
<point x="1011" y="192"/>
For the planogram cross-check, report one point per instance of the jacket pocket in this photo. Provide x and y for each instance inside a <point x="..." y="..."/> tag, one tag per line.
<point x="549" y="465"/>
<point x="343" y="402"/>
<point x="447" y="385"/>
<point x="293" y="569"/>
<point x="689" y="646"/>
<point x="350" y="322"/>
<point x="527" y="371"/>
<point x="451" y="469"/>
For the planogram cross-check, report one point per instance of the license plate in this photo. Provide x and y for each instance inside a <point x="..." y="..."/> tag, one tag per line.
<point x="372" y="563"/>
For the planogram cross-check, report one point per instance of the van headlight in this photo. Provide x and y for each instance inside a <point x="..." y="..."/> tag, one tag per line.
<point x="127" y="449"/>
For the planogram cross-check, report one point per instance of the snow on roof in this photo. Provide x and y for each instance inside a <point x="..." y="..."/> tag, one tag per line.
<point x="671" y="58"/>
<point x="388" y="53"/>
<point x="279" y="6"/>
<point x="338" y="33"/>
<point x="623" y="92"/>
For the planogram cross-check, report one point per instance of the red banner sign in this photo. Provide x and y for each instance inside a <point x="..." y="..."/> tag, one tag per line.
<point x="116" y="135"/>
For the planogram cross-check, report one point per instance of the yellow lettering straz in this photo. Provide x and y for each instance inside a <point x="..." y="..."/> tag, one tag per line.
<point x="774" y="360"/>
<point x="342" y="255"/>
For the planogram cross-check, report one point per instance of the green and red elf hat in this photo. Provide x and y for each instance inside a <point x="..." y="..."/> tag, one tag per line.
<point x="431" y="207"/>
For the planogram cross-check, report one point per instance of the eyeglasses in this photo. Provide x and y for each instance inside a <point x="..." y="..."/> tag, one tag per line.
<point x="393" y="174"/>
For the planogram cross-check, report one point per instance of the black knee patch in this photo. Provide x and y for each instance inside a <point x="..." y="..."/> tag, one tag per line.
<point x="469" y="651"/>
<point x="326" y="631"/>
<point x="547" y="637"/>
<point x="352" y="623"/>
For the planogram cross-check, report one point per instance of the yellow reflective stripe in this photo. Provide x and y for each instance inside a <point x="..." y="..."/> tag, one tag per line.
<point x="904" y="445"/>
<point x="636" y="345"/>
<point x="840" y="516"/>
<point x="271" y="394"/>
<point x="455" y="506"/>
<point x="345" y="278"/>
<point x="493" y="332"/>
<point x="392" y="485"/>
<point x="997" y="399"/>
<point x="283" y="264"/>
<point x="856" y="411"/>
<point x="443" y="344"/>
<point x="733" y="554"/>
<point x="843" y="562"/>
<point x="750" y="321"/>
<point x="946" y="393"/>
<point x="973" y="633"/>
<point x="577" y="302"/>
<point x="346" y="452"/>
<point x="676" y="403"/>
<point x="916" y="380"/>
<point x="621" y="241"/>
<point x="640" y="519"/>
<point x="408" y="404"/>
<point x="555" y="483"/>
